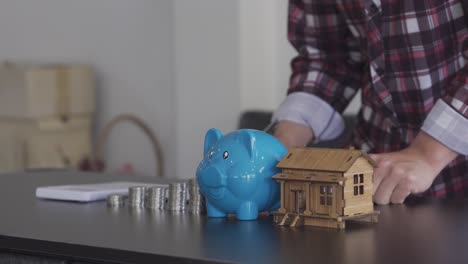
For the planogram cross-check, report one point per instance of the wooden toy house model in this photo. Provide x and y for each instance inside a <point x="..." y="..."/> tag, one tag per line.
<point x="325" y="187"/>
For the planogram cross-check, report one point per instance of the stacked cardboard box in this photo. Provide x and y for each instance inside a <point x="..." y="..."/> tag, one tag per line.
<point x="46" y="115"/>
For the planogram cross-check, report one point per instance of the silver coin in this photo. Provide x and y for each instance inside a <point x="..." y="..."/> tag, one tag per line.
<point x="116" y="200"/>
<point x="137" y="196"/>
<point x="197" y="204"/>
<point x="178" y="196"/>
<point x="155" y="198"/>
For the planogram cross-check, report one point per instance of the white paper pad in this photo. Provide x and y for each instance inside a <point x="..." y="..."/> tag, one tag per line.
<point x="88" y="192"/>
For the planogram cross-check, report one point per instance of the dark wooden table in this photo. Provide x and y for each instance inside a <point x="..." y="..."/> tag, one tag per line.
<point x="419" y="232"/>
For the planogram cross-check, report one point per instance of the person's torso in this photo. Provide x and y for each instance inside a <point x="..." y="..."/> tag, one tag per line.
<point x="413" y="51"/>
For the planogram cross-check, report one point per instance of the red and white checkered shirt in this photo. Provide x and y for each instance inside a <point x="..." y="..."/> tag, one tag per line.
<point x="409" y="58"/>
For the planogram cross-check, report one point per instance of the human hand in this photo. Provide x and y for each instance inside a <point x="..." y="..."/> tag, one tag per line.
<point x="409" y="171"/>
<point x="292" y="134"/>
<point x="399" y="174"/>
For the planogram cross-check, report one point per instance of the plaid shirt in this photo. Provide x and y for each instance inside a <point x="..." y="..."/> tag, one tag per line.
<point x="408" y="57"/>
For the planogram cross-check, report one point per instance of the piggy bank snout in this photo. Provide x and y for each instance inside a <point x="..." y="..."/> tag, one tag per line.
<point x="212" y="177"/>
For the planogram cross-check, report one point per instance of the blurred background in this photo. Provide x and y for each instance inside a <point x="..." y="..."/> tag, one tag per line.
<point x="181" y="66"/>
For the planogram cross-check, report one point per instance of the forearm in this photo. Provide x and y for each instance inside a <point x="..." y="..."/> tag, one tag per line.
<point x="292" y="134"/>
<point x="432" y="151"/>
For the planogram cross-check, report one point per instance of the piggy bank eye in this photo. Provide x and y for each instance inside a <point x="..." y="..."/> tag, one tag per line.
<point x="210" y="155"/>
<point x="225" y="155"/>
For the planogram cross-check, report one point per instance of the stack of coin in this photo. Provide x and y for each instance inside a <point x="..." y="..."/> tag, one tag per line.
<point x="197" y="201"/>
<point x="136" y="196"/>
<point x="156" y="198"/>
<point x="178" y="196"/>
<point x="116" y="200"/>
<point x="192" y="187"/>
<point x="166" y="197"/>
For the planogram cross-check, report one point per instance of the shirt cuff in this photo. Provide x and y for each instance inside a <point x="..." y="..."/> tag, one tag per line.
<point x="311" y="111"/>
<point x="448" y="127"/>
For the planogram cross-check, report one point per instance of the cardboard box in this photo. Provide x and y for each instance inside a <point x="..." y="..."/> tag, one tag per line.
<point x="43" y="91"/>
<point x="46" y="115"/>
<point x="44" y="143"/>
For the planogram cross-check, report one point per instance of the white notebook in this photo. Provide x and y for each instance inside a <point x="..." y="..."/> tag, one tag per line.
<point x="88" y="192"/>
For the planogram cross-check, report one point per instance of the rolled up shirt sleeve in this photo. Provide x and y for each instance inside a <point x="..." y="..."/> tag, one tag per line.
<point x="311" y="111"/>
<point x="447" y="126"/>
<point x="447" y="121"/>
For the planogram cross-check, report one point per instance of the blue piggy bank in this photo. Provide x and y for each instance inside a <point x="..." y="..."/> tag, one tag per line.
<point x="236" y="170"/>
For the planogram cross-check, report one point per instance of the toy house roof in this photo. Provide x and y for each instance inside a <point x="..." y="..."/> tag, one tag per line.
<point x="322" y="159"/>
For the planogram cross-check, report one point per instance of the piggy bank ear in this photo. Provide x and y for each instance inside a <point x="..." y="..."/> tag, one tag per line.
<point x="211" y="137"/>
<point x="247" y="139"/>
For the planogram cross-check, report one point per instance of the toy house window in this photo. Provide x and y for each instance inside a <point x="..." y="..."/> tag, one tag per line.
<point x="358" y="181"/>
<point x="326" y="192"/>
<point x="322" y="189"/>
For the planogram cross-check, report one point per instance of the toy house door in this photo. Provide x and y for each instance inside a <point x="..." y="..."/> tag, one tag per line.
<point x="324" y="199"/>
<point x="299" y="202"/>
<point x="296" y="198"/>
